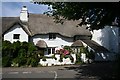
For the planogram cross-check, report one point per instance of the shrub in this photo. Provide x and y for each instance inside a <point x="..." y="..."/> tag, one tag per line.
<point x="61" y="57"/>
<point x="6" y="53"/>
<point x="22" y="53"/>
<point x="44" y="58"/>
<point x="6" y="48"/>
<point x="82" y="50"/>
<point x="31" y="48"/>
<point x="15" y="62"/>
<point x="16" y="46"/>
<point x="32" y="62"/>
<point x="71" y="58"/>
<point x="91" y="55"/>
<point x="78" y="58"/>
<point x="6" y="61"/>
<point x="68" y="48"/>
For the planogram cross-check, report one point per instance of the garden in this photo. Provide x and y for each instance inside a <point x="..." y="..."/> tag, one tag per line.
<point x="26" y="54"/>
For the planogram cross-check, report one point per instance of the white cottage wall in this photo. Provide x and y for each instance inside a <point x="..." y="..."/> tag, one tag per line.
<point x="107" y="37"/>
<point x="16" y="29"/>
<point x="58" y="42"/>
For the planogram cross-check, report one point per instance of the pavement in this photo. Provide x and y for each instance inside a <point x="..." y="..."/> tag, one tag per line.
<point x="94" y="71"/>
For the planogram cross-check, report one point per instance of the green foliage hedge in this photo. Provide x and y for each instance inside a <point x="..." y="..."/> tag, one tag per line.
<point x="21" y="53"/>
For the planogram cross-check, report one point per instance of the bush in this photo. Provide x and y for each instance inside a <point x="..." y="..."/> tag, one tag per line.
<point x="22" y="53"/>
<point x="44" y="58"/>
<point x="32" y="62"/>
<point x="91" y="55"/>
<point x="71" y="58"/>
<point x="6" y="48"/>
<point x="6" y="61"/>
<point x="68" y="48"/>
<point x="15" y="62"/>
<point x="78" y="58"/>
<point x="6" y="53"/>
<point x="61" y="57"/>
<point x="16" y="46"/>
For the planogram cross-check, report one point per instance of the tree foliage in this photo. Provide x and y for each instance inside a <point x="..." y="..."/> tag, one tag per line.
<point x="96" y="14"/>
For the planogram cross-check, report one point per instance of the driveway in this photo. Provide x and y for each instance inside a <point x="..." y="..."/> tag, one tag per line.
<point x="95" y="71"/>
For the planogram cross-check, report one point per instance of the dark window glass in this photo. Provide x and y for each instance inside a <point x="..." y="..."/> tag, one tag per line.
<point x="52" y="36"/>
<point x="16" y="36"/>
<point x="53" y="50"/>
<point x="49" y="50"/>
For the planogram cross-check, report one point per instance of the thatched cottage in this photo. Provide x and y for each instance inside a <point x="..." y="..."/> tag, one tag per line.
<point x="42" y="30"/>
<point x="45" y="33"/>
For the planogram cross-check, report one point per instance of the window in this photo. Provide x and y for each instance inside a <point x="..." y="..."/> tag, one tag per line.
<point x="16" y="36"/>
<point x="52" y="36"/>
<point x="76" y="38"/>
<point x="51" y="50"/>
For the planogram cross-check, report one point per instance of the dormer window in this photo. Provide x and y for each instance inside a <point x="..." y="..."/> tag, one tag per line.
<point x="16" y="36"/>
<point x="52" y="36"/>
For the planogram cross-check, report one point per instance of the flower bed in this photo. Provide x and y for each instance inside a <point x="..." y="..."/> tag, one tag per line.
<point x="52" y="61"/>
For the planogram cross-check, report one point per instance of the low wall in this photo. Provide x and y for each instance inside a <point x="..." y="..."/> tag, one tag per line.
<point x="51" y="61"/>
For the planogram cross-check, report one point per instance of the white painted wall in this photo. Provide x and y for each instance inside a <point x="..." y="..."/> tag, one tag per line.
<point x="107" y="37"/>
<point x="58" y="42"/>
<point x="24" y="14"/>
<point x="16" y="29"/>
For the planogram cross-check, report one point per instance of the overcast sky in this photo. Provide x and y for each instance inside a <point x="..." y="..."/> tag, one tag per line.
<point x="12" y="9"/>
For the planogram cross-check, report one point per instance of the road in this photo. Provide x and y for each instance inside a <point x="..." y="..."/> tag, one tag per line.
<point x="73" y="72"/>
<point x="39" y="72"/>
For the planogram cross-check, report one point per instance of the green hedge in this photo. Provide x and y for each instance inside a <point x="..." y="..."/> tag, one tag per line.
<point x="21" y="53"/>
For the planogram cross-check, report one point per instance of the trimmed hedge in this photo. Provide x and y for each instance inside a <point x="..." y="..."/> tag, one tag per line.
<point x="20" y="53"/>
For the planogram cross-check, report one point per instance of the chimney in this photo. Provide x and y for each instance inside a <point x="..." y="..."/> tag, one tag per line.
<point x="24" y="14"/>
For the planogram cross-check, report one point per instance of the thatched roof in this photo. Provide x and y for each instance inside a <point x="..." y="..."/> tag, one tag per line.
<point x="41" y="44"/>
<point x="95" y="46"/>
<point x="42" y="24"/>
<point x="8" y="22"/>
<point x="77" y="43"/>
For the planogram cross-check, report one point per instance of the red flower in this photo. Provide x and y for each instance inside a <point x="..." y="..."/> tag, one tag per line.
<point x="66" y="52"/>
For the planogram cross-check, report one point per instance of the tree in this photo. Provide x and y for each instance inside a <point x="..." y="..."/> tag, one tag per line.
<point x="96" y="14"/>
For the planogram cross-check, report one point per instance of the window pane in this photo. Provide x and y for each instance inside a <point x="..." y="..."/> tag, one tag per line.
<point x="16" y="36"/>
<point x="52" y="36"/>
<point x="53" y="50"/>
<point x="49" y="50"/>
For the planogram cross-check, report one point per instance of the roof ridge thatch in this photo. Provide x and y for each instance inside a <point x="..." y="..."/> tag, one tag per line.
<point x="43" y="24"/>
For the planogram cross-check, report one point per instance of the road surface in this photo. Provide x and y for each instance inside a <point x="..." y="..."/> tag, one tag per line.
<point x="73" y="72"/>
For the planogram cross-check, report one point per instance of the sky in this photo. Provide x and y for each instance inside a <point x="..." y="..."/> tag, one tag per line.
<point x="12" y="9"/>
